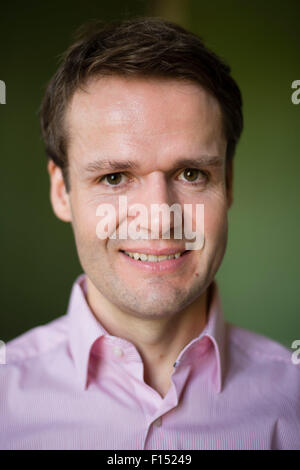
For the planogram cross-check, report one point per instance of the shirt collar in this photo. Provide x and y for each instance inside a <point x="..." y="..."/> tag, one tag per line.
<point x="84" y="329"/>
<point x="216" y="330"/>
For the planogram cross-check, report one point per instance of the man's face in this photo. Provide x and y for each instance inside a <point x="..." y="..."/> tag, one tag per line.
<point x="154" y="124"/>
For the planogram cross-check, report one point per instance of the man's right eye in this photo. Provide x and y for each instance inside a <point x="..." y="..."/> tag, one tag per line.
<point x="113" y="179"/>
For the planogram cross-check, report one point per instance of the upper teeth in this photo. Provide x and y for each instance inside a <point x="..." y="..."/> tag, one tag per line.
<point x="145" y="257"/>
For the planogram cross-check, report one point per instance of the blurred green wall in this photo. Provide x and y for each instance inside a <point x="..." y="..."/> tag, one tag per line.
<point x="259" y="275"/>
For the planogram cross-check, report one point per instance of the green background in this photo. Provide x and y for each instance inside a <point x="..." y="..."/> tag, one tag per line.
<point x="259" y="276"/>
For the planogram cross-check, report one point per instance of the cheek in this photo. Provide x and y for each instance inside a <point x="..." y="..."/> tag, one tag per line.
<point x="215" y="221"/>
<point x="216" y="228"/>
<point x="210" y="210"/>
<point x="84" y="221"/>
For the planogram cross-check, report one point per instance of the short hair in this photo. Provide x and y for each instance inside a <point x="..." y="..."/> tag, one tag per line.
<point x="148" y="47"/>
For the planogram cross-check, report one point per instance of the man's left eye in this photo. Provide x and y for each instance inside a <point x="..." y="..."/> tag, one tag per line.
<point x="192" y="174"/>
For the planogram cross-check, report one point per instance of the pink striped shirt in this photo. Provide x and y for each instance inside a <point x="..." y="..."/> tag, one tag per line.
<point x="71" y="385"/>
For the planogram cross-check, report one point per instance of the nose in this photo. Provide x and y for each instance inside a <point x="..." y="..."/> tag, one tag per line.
<point x="160" y="211"/>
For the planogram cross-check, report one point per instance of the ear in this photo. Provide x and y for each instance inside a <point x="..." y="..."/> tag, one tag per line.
<point x="58" y="194"/>
<point x="229" y="183"/>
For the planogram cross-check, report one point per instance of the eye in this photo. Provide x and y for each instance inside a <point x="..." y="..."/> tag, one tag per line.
<point x="192" y="175"/>
<point x="113" y="179"/>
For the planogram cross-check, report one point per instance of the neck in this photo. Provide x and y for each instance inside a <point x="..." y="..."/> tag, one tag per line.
<point x="158" y="341"/>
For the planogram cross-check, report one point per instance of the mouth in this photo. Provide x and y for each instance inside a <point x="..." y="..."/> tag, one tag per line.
<point x="170" y="261"/>
<point x="152" y="258"/>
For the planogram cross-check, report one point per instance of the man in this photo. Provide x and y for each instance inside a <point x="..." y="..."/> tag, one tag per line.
<point x="143" y="358"/>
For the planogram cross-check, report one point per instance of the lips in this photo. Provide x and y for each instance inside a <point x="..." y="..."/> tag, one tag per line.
<point x="151" y="257"/>
<point x="153" y="263"/>
<point x="150" y="250"/>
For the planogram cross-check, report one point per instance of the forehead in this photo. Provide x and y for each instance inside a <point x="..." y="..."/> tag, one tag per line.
<point x="127" y="114"/>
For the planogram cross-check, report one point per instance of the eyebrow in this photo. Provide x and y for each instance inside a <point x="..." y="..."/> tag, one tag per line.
<point x="123" y="165"/>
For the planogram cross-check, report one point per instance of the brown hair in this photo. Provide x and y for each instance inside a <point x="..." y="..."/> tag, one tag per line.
<point x="145" y="47"/>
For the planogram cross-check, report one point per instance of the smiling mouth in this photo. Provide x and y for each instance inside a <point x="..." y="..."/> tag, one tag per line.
<point x="153" y="258"/>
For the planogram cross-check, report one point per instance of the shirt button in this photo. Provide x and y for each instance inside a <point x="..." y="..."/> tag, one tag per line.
<point x="118" y="352"/>
<point x="157" y="422"/>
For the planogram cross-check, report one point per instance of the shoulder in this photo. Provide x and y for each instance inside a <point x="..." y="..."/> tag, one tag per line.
<point x="258" y="347"/>
<point x="266" y="361"/>
<point x="268" y="381"/>
<point x="37" y="341"/>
